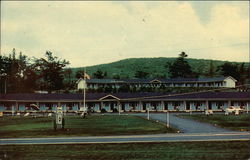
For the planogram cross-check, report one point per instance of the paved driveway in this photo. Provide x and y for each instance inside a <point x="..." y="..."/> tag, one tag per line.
<point x="185" y="125"/>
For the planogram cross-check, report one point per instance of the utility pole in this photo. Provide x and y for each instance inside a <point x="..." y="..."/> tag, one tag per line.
<point x="83" y="86"/>
<point x="84" y="92"/>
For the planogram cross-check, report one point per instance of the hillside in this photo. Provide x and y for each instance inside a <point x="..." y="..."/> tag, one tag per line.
<point x="155" y="66"/>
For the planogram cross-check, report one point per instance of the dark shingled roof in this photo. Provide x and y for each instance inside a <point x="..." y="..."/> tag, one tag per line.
<point x="208" y="95"/>
<point x="38" y="96"/>
<point x="146" y="96"/>
<point x="174" y="80"/>
<point x="55" y="96"/>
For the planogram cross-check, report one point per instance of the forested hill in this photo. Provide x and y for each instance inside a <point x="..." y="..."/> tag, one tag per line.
<point x="154" y="66"/>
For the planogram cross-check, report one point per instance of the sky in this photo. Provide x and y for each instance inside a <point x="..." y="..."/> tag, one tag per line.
<point x="90" y="33"/>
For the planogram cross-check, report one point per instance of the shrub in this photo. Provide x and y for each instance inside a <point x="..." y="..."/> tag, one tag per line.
<point x="103" y="110"/>
<point x="115" y="110"/>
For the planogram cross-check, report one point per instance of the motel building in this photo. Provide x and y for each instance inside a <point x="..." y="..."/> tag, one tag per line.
<point x="125" y="102"/>
<point x="216" y="82"/>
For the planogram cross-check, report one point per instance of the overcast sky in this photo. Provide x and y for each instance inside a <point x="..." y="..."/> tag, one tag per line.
<point x="89" y="33"/>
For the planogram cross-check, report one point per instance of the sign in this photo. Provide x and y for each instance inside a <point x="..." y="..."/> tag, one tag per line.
<point x="59" y="116"/>
<point x="59" y="121"/>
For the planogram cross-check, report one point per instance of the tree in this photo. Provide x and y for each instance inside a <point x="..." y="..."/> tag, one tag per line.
<point x="30" y="78"/>
<point x="141" y="74"/>
<point x="211" y="70"/>
<point x="243" y="73"/>
<point x="51" y="71"/>
<point x="69" y="84"/>
<point x="79" y="74"/>
<point x="5" y="67"/>
<point x="180" y="67"/>
<point x="116" y="76"/>
<point x="229" y="69"/>
<point x="99" y="74"/>
<point x="17" y="71"/>
<point x="68" y="74"/>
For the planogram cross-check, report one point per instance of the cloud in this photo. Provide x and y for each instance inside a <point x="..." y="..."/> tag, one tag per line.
<point x="88" y="33"/>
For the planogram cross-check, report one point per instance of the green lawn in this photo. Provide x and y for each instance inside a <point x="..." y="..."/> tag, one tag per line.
<point x="235" y="150"/>
<point x="76" y="126"/>
<point x="233" y="122"/>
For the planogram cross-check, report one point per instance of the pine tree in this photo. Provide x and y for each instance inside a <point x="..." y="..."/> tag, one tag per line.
<point x="180" y="67"/>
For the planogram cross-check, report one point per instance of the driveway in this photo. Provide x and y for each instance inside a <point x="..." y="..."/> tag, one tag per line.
<point x="185" y="125"/>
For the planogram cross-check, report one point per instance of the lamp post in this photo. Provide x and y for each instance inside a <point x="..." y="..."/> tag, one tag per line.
<point x="167" y="119"/>
<point x="247" y="106"/>
<point x="148" y="113"/>
<point x="119" y="107"/>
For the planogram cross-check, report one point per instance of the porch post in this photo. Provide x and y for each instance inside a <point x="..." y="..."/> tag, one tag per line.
<point x="16" y="108"/>
<point x="228" y="104"/>
<point x="101" y="105"/>
<point x="207" y="105"/>
<point x="140" y="105"/>
<point x="185" y="105"/>
<point x="162" y="105"/>
<point x="191" y="107"/>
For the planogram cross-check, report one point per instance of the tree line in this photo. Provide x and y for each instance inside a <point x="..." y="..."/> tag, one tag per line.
<point x="21" y="74"/>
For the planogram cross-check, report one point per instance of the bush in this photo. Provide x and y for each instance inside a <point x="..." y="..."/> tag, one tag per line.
<point x="115" y="110"/>
<point x="63" y="123"/>
<point x="103" y="110"/>
<point x="54" y="124"/>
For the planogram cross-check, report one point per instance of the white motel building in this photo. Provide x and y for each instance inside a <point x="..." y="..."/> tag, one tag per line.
<point x="217" y="82"/>
<point x="126" y="102"/>
<point x="133" y="102"/>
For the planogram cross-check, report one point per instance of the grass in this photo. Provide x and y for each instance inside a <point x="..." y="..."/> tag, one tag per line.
<point x="94" y="125"/>
<point x="233" y="122"/>
<point x="235" y="150"/>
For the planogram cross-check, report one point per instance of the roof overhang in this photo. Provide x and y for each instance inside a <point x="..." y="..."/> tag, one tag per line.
<point x="229" y="77"/>
<point x="155" y="81"/>
<point x="109" y="95"/>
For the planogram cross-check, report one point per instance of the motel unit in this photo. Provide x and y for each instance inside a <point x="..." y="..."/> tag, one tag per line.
<point x="216" y="82"/>
<point x="126" y="102"/>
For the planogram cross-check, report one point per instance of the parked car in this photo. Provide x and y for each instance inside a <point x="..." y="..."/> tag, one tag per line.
<point x="233" y="110"/>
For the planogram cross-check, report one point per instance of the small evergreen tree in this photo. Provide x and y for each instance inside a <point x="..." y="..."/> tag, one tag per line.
<point x="180" y="67"/>
<point x="229" y="69"/>
<point x="99" y="74"/>
<point x="141" y="74"/>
